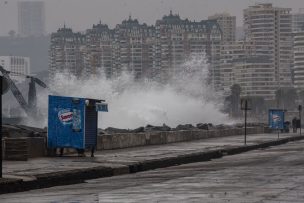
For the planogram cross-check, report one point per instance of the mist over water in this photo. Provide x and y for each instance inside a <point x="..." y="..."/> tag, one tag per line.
<point x="186" y="98"/>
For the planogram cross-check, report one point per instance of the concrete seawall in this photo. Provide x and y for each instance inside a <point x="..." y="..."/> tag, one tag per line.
<point x="37" y="145"/>
<point x="125" y="140"/>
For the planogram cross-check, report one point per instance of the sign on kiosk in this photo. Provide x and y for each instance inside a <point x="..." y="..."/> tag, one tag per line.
<point x="276" y="119"/>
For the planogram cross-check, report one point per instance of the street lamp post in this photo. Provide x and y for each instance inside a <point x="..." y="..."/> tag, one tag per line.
<point x="300" y="110"/>
<point x="244" y="106"/>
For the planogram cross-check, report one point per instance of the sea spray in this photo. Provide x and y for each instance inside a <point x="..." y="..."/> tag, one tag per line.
<point x="186" y="98"/>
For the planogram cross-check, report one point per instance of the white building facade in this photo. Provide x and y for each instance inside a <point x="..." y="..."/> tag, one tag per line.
<point x="298" y="49"/>
<point x="298" y="21"/>
<point x="66" y="53"/>
<point x="31" y="18"/>
<point x="298" y="59"/>
<point x="227" y="24"/>
<point x="18" y="65"/>
<point x="269" y="28"/>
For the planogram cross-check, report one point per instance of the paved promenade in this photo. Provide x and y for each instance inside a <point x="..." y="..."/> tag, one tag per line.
<point x="270" y="175"/>
<point x="32" y="167"/>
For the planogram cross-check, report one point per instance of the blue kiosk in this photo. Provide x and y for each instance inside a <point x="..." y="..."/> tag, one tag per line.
<point x="276" y="119"/>
<point x="73" y="122"/>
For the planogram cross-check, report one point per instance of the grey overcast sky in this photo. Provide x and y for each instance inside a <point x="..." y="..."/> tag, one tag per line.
<point x="81" y="14"/>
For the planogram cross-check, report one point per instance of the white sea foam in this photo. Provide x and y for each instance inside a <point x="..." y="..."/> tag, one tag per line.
<point x="187" y="98"/>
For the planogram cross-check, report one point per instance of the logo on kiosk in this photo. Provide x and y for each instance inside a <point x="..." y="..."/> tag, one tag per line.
<point x="276" y="118"/>
<point x="65" y="116"/>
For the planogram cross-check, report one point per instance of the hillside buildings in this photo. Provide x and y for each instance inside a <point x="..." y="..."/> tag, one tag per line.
<point x="98" y="53"/>
<point x="227" y="24"/>
<point x="269" y="58"/>
<point x="149" y="52"/>
<point x="31" y="18"/>
<point x="66" y="53"/>
<point x="134" y="49"/>
<point x="177" y="39"/>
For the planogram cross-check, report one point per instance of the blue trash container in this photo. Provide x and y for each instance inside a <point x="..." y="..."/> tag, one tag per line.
<point x="73" y="122"/>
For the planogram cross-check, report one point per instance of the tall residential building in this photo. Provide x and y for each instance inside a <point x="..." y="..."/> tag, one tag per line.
<point x="298" y="44"/>
<point x="134" y="47"/>
<point x="227" y="24"/>
<point x="298" y="21"/>
<point x="66" y="53"/>
<point x="99" y="50"/>
<point x="241" y="65"/>
<point x="177" y="39"/>
<point x="230" y="52"/>
<point x="256" y="76"/>
<point x="298" y="49"/>
<point x="269" y="29"/>
<point x="18" y="65"/>
<point x="31" y="18"/>
<point x="149" y="52"/>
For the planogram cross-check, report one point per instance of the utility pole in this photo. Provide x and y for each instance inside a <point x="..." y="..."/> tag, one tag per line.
<point x="300" y="112"/>
<point x="244" y="106"/>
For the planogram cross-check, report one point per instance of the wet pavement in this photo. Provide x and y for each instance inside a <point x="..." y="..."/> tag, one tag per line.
<point x="122" y="157"/>
<point x="270" y="175"/>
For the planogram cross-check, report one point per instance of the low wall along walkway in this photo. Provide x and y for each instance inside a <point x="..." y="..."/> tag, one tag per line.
<point x="36" y="146"/>
<point x="124" y="140"/>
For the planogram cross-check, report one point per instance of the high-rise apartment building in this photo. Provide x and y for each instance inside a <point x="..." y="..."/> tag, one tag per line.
<point x="18" y="65"/>
<point x="177" y="39"/>
<point x="227" y="24"/>
<point x="298" y="44"/>
<point x="298" y="21"/>
<point x="241" y="65"/>
<point x="31" y="18"/>
<point x="99" y="43"/>
<point x="231" y="51"/>
<point x="66" y="53"/>
<point x="269" y="29"/>
<point x="134" y="47"/>
<point x="298" y="49"/>
<point x="256" y="76"/>
<point x="149" y="52"/>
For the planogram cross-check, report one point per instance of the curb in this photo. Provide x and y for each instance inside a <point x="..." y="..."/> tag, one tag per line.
<point x="80" y="175"/>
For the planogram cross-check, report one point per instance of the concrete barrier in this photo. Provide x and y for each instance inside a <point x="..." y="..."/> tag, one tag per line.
<point x="31" y="147"/>
<point x="125" y="140"/>
<point x="37" y="145"/>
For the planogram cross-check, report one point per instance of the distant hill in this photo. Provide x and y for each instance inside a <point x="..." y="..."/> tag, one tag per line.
<point x="34" y="47"/>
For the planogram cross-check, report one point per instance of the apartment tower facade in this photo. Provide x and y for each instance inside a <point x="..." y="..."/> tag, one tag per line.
<point x="269" y="28"/>
<point x="31" y="18"/>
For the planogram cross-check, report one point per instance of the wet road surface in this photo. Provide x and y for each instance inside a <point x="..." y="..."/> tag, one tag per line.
<point x="271" y="175"/>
